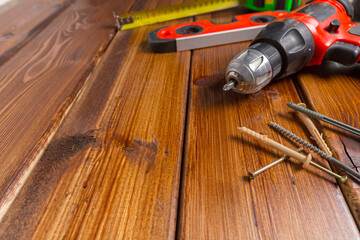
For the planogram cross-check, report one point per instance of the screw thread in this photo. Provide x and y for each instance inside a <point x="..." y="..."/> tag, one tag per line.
<point x="305" y="110"/>
<point x="315" y="149"/>
<point x="289" y="134"/>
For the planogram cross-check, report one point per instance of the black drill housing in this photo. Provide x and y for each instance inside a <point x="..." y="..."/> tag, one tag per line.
<point x="292" y="39"/>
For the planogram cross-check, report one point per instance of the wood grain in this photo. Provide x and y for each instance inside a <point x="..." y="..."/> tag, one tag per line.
<point x="98" y="134"/>
<point x="333" y="90"/>
<point x="112" y="171"/>
<point x="38" y="85"/>
<point x="218" y="202"/>
<point x="21" y="22"/>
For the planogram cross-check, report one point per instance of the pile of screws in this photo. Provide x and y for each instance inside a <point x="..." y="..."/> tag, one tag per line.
<point x="306" y="160"/>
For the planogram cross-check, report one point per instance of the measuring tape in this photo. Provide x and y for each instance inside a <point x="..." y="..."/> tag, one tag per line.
<point x="147" y="17"/>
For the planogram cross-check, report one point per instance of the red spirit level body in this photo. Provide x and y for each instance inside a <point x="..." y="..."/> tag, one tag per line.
<point x="202" y="34"/>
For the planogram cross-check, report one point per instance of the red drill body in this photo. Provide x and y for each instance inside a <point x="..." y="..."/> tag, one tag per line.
<point x="319" y="31"/>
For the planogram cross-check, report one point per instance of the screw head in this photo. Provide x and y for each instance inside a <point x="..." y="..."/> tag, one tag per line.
<point x="251" y="175"/>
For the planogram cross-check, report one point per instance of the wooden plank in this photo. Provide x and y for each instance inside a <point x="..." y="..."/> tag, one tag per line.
<point x="112" y="170"/>
<point x="218" y="202"/>
<point x="38" y="85"/>
<point x="21" y="22"/>
<point x="7" y="4"/>
<point x="334" y="91"/>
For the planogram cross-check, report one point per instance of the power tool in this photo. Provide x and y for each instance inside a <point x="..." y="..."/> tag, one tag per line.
<point x="319" y="31"/>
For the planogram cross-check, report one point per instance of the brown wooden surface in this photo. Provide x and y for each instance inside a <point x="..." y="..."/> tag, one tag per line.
<point x="333" y="90"/>
<point x="39" y="84"/>
<point x="135" y="165"/>
<point x="23" y="20"/>
<point x="101" y="138"/>
<point x="217" y="201"/>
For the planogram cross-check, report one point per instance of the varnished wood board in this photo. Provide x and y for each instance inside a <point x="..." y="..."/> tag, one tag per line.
<point x="112" y="170"/>
<point x="218" y="201"/>
<point x="38" y="85"/>
<point x="22" y="21"/>
<point x="334" y="91"/>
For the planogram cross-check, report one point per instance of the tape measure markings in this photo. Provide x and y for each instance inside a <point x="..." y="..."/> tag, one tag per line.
<point x="145" y="17"/>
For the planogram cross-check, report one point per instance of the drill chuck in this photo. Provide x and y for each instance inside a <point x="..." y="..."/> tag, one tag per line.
<point x="253" y="68"/>
<point x="280" y="49"/>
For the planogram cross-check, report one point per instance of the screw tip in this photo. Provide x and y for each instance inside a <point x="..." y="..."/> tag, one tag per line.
<point x="343" y="179"/>
<point x="270" y="123"/>
<point x="290" y="104"/>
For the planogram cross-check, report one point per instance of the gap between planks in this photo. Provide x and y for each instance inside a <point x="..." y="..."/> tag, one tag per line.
<point x="348" y="189"/>
<point x="15" y="187"/>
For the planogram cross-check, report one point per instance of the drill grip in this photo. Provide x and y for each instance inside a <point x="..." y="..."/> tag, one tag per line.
<point x="292" y="39"/>
<point x="342" y="52"/>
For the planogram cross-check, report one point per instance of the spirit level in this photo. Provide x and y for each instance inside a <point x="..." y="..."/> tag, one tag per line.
<point x="146" y="17"/>
<point x="201" y="34"/>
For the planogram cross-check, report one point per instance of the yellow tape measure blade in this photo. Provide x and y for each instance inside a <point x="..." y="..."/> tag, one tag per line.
<point x="146" y="17"/>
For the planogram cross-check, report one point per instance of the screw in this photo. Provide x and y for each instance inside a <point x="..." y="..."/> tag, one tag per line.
<point x="252" y="175"/>
<point x="306" y="160"/>
<point x="335" y="175"/>
<point x="314" y="131"/>
<point x="315" y="149"/>
<point x="324" y="118"/>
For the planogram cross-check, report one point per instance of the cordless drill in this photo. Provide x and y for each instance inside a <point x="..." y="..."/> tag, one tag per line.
<point x="319" y="31"/>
